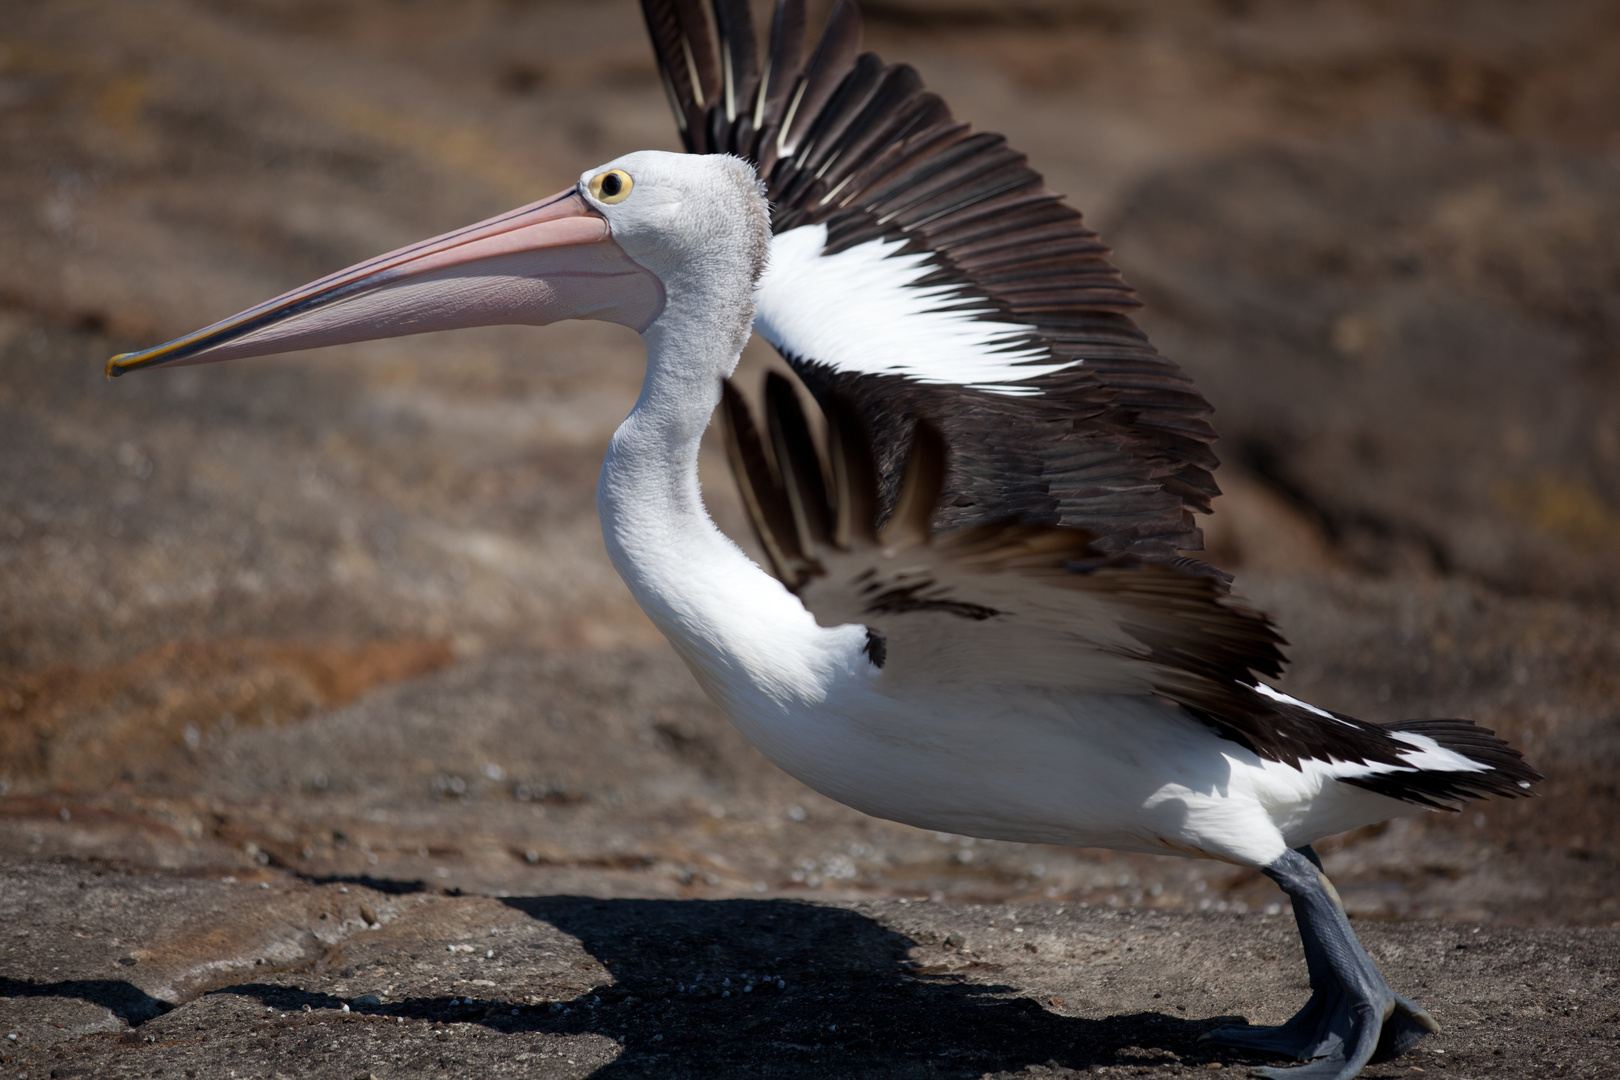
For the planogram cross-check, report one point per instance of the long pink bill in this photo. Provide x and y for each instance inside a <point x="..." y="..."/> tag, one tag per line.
<point x="551" y="260"/>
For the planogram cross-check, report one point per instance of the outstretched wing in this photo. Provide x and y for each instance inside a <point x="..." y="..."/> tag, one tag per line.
<point x="1017" y="604"/>
<point x="923" y="271"/>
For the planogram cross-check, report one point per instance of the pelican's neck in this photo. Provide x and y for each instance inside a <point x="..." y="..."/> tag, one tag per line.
<point x="657" y="530"/>
<point x="648" y="496"/>
<point x="748" y="640"/>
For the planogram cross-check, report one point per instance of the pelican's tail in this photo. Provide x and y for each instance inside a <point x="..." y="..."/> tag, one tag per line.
<point x="1450" y="761"/>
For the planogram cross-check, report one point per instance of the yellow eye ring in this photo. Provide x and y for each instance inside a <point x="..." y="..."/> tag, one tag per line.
<point x="611" y="187"/>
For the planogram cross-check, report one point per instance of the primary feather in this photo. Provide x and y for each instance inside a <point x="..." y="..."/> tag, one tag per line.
<point x="920" y="270"/>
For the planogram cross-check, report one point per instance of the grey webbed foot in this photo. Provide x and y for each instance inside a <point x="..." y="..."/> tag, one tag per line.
<point x="1352" y="1017"/>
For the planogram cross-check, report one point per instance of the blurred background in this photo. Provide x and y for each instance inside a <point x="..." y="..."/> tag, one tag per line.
<point x="347" y="614"/>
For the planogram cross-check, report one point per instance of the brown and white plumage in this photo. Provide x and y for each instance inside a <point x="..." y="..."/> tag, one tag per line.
<point x="882" y="203"/>
<point x="1015" y="603"/>
<point x="1087" y="425"/>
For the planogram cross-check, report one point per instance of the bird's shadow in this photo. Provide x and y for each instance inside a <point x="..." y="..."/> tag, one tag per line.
<point x="784" y="989"/>
<point x="123" y="999"/>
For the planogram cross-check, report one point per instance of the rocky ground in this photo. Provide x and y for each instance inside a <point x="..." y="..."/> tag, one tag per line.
<point x="313" y="667"/>
<point x="160" y="974"/>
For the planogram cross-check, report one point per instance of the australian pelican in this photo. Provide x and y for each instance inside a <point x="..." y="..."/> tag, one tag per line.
<point x="980" y="619"/>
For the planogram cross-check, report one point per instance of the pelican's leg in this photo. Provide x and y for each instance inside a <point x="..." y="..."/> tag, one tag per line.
<point x="1352" y="1017"/>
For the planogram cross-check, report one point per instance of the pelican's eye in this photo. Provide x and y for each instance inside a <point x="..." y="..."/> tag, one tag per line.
<point x="611" y="187"/>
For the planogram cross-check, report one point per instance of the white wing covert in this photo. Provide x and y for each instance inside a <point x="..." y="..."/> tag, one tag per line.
<point x="921" y="270"/>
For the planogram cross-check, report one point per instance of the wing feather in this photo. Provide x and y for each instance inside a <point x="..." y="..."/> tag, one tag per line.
<point x="1012" y="603"/>
<point x="1020" y="530"/>
<point x="1055" y="611"/>
<point x="1053" y="403"/>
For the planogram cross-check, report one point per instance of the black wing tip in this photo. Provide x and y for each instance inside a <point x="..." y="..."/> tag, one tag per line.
<point x="1510" y="773"/>
<point x="709" y="62"/>
<point x="1291" y="733"/>
<point x="1505" y="772"/>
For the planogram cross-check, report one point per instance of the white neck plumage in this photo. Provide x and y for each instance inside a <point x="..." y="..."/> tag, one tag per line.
<point x="745" y="637"/>
<point x="648" y="495"/>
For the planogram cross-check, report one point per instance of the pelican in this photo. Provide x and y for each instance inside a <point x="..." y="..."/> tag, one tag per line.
<point x="978" y="617"/>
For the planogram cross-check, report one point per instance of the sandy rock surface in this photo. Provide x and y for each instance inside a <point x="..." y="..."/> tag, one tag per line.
<point x="342" y="620"/>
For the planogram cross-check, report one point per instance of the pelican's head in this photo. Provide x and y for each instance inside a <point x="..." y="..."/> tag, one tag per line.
<point x="630" y="240"/>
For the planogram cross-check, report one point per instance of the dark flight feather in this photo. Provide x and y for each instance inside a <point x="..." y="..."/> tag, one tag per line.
<point x="846" y="140"/>
<point x="1040" y="605"/>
